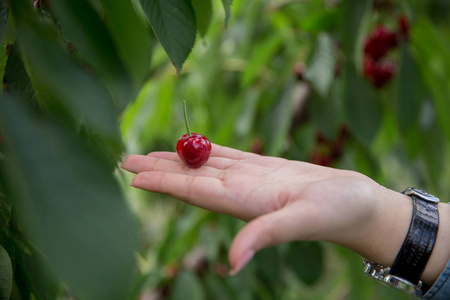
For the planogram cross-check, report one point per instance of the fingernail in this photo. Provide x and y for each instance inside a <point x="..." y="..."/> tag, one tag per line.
<point x="242" y="262"/>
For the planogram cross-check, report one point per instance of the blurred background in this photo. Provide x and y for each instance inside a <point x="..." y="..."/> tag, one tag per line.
<point x="273" y="82"/>
<point x="359" y="85"/>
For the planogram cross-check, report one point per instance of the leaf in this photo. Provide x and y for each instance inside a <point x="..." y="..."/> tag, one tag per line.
<point x="132" y="35"/>
<point x="244" y="122"/>
<point x="174" y="24"/>
<point x="69" y="204"/>
<point x="3" y="19"/>
<point x="410" y="92"/>
<point x="354" y="20"/>
<point x="69" y="92"/>
<point x="203" y="15"/>
<point x="278" y="120"/>
<point x="16" y="76"/>
<point x="362" y="108"/>
<point x="432" y="54"/>
<point x="306" y="259"/>
<point x="6" y="274"/>
<point x="320" y="71"/>
<point x="186" y="286"/>
<point x="261" y="56"/>
<point x="227" y="6"/>
<point x="326" y="113"/>
<point x="3" y="58"/>
<point x="216" y="288"/>
<point x="321" y="20"/>
<point x="435" y="152"/>
<point x="81" y="25"/>
<point x="267" y="263"/>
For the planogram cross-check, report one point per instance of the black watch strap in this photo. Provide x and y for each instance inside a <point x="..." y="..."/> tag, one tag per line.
<point x="419" y="242"/>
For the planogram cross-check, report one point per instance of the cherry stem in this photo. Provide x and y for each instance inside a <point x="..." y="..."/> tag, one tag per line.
<point x="185" y="118"/>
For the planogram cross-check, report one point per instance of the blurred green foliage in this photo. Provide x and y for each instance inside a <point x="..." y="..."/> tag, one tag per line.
<point x="88" y="81"/>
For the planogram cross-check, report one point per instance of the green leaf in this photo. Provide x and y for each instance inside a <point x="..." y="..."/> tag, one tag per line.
<point x="410" y="92"/>
<point x="182" y="233"/>
<point x="203" y="14"/>
<point x="321" y="20"/>
<point x="69" y="204"/>
<point x="81" y="25"/>
<point x="186" y="286"/>
<point x="320" y="71"/>
<point x="4" y="53"/>
<point x="6" y="274"/>
<point x="362" y="107"/>
<point x="249" y="110"/>
<point x="354" y="19"/>
<point x="216" y="288"/>
<point x="278" y="120"/>
<point x="326" y="113"/>
<point x="306" y="259"/>
<point x="16" y="77"/>
<point x="227" y="6"/>
<point x="3" y="19"/>
<point x="68" y="91"/>
<point x="267" y="263"/>
<point x="435" y="152"/>
<point x="132" y="34"/>
<point x="174" y="24"/>
<point x="261" y="56"/>
<point x="432" y="53"/>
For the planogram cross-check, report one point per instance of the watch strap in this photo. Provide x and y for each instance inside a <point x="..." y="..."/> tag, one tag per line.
<point x="419" y="242"/>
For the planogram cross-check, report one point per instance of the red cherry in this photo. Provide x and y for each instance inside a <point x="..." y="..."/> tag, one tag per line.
<point x="379" y="73"/>
<point x="368" y="67"/>
<point x="403" y="24"/>
<point x="194" y="150"/>
<point x="384" y="71"/>
<point x="380" y="41"/>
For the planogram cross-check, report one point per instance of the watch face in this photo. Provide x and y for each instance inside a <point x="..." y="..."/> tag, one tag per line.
<point x="422" y="194"/>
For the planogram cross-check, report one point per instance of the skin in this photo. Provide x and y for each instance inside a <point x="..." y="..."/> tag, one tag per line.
<point x="285" y="200"/>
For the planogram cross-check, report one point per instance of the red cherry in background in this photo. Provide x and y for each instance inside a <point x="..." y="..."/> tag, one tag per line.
<point x="404" y="27"/>
<point x="193" y="149"/>
<point x="379" y="42"/>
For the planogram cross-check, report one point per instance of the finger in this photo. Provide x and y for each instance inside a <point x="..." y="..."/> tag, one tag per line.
<point x="215" y="162"/>
<point x="205" y="192"/>
<point x="294" y="222"/>
<point x="216" y="151"/>
<point x="173" y="156"/>
<point x="231" y="153"/>
<point x="145" y="163"/>
<point x="141" y="163"/>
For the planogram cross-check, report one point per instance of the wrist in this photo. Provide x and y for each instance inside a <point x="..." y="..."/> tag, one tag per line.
<point x="390" y="228"/>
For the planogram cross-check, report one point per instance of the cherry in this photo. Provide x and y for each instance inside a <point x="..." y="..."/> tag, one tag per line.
<point x="383" y="72"/>
<point x="404" y="27"/>
<point x="193" y="149"/>
<point x="379" y="42"/>
<point x="379" y="73"/>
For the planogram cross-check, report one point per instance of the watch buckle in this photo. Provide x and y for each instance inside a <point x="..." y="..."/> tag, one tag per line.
<point x="381" y="274"/>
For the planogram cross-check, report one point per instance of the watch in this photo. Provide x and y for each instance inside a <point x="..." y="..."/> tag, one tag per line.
<point x="412" y="258"/>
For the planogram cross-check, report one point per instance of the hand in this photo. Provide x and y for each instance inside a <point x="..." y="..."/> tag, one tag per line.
<point x="283" y="201"/>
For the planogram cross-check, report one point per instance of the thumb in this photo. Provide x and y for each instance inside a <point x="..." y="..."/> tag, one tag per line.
<point x="295" y="222"/>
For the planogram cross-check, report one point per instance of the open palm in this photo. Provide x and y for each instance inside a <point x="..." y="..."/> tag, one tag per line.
<point x="283" y="200"/>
